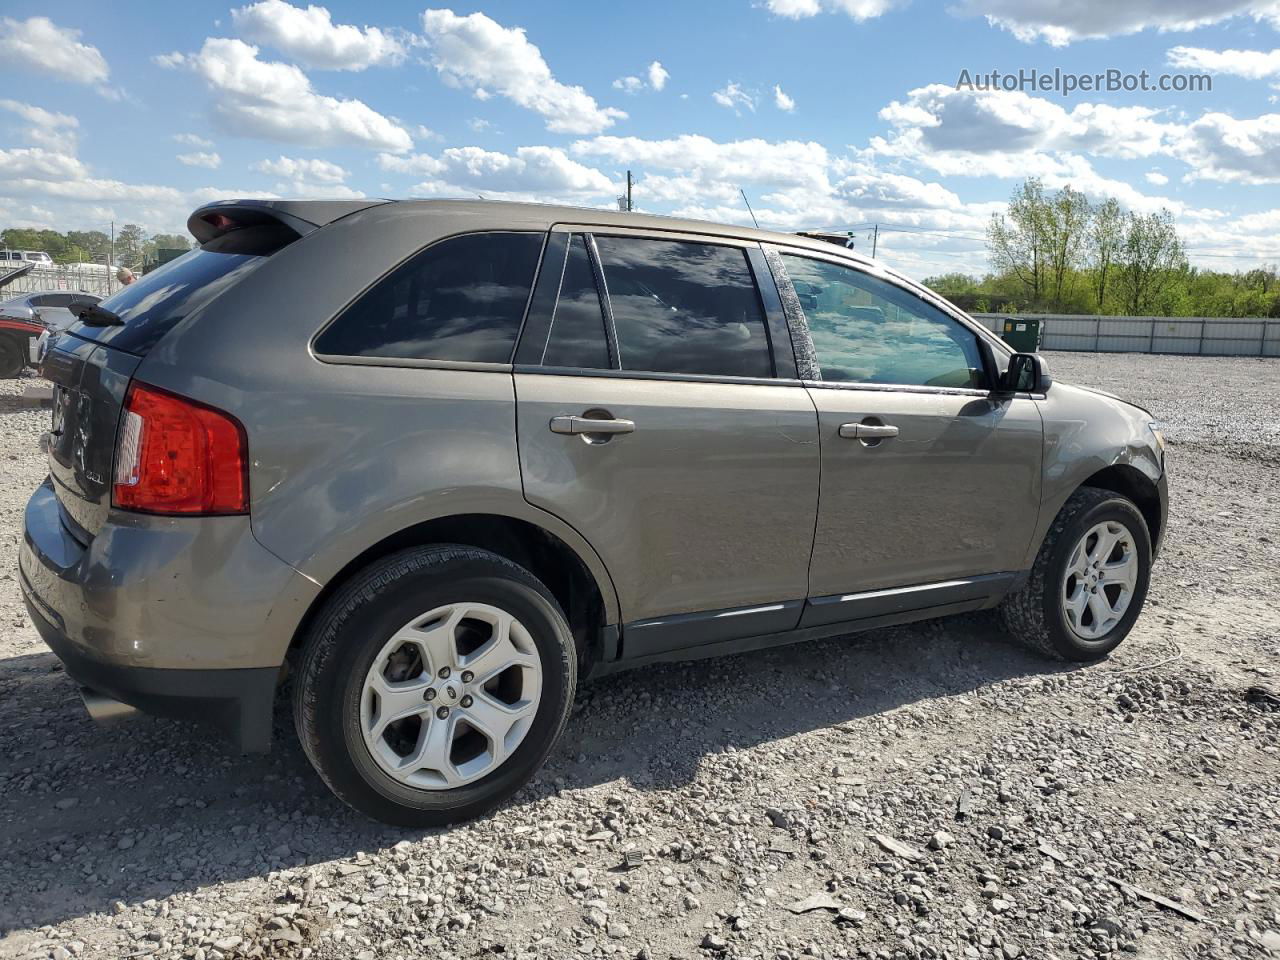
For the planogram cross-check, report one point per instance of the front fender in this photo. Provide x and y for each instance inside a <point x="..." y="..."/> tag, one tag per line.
<point x="1084" y="434"/>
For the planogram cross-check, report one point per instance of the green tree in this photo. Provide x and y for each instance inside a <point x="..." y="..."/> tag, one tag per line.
<point x="1106" y="233"/>
<point x="1150" y="260"/>
<point x="952" y="284"/>
<point x="1066" y="223"/>
<point x="166" y="241"/>
<point x="1017" y="242"/>
<point x="129" y="243"/>
<point x="95" y="244"/>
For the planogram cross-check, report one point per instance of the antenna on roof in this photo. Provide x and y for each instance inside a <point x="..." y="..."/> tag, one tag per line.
<point x="749" y="210"/>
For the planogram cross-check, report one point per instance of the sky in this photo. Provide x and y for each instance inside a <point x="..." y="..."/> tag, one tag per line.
<point x="827" y="114"/>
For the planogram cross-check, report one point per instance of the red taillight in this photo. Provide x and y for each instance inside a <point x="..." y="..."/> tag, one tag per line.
<point x="177" y="456"/>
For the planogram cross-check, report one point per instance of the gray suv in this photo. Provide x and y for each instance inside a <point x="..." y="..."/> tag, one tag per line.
<point x="434" y="461"/>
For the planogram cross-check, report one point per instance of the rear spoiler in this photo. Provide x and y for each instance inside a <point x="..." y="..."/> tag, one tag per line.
<point x="11" y="274"/>
<point x="217" y="219"/>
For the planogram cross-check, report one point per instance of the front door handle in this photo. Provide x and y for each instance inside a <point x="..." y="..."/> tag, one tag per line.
<point x="576" y="426"/>
<point x="868" y="431"/>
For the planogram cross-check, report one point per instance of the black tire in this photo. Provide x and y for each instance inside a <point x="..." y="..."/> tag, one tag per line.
<point x="1034" y="616"/>
<point x="350" y="631"/>
<point x="12" y="358"/>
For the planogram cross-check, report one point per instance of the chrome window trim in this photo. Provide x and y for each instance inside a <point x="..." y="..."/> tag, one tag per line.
<point x="418" y="362"/>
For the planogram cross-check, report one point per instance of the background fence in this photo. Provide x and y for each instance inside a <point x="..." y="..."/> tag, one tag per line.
<point x="85" y="277"/>
<point x="1206" y="336"/>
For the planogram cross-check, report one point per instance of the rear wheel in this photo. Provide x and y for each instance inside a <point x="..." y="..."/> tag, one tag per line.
<point x="434" y="685"/>
<point x="12" y="359"/>
<point x="1089" y="581"/>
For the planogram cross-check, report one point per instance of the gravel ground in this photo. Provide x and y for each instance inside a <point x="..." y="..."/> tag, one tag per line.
<point x="918" y="792"/>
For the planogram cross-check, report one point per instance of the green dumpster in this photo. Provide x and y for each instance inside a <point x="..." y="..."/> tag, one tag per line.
<point x="1022" y="333"/>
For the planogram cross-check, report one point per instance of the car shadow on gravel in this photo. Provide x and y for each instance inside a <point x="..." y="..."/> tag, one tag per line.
<point x="146" y="808"/>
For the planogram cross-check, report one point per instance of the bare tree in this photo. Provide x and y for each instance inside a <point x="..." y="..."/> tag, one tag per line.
<point x="1150" y="257"/>
<point x="1106" y="234"/>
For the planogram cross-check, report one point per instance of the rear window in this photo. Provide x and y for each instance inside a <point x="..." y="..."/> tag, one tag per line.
<point x="461" y="299"/>
<point x="155" y="303"/>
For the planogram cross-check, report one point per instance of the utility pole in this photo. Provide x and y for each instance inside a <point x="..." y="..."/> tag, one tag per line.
<point x="875" y="237"/>
<point x="628" y="191"/>
<point x="111" y="264"/>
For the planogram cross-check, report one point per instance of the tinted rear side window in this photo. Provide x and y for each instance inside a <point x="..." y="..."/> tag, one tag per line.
<point x="682" y="307"/>
<point x="153" y="305"/>
<point x="460" y="299"/>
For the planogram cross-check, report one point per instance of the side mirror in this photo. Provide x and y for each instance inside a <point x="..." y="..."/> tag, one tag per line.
<point x="1027" y="373"/>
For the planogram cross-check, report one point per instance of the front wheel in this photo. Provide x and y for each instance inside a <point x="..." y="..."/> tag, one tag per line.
<point x="434" y="685"/>
<point x="1089" y="580"/>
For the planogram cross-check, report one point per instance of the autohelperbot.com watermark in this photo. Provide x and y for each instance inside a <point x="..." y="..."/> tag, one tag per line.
<point x="1065" y="83"/>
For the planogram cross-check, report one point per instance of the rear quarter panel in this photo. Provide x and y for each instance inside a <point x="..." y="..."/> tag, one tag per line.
<point x="344" y="455"/>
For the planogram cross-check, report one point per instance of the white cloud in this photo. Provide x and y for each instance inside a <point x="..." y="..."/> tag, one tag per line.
<point x="316" y="170"/>
<point x="200" y="158"/>
<point x="39" y="115"/>
<point x="479" y="124"/>
<point x="309" y="177"/>
<point x="1156" y="178"/>
<point x="192" y="140"/>
<point x="538" y="173"/>
<point x="275" y="101"/>
<point x="706" y="162"/>
<point x="310" y="36"/>
<point x="55" y="132"/>
<point x="1253" y="64"/>
<point x="1219" y="147"/>
<point x="782" y="101"/>
<point x="796" y="185"/>
<point x="794" y="9"/>
<point x="655" y="79"/>
<point x="478" y="53"/>
<point x="48" y="185"/>
<point x="1060" y="23"/>
<point x="858" y="10"/>
<point x="40" y="45"/>
<point x="1012" y="134"/>
<point x="23" y="162"/>
<point x="734" y="98"/>
<point x="943" y="127"/>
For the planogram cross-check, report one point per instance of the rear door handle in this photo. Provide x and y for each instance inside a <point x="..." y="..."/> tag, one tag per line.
<point x="868" y="431"/>
<point x="574" y="426"/>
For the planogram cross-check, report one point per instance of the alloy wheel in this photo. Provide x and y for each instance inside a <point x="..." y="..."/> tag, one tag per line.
<point x="450" y="696"/>
<point x="1100" y="579"/>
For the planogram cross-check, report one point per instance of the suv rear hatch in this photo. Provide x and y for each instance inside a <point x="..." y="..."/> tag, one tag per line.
<point x="92" y="362"/>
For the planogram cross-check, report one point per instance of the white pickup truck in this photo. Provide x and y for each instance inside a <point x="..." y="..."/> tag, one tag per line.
<point x="14" y="258"/>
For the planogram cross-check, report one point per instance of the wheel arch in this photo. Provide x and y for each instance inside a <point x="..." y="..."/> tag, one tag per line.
<point x="580" y="584"/>
<point x="1130" y="482"/>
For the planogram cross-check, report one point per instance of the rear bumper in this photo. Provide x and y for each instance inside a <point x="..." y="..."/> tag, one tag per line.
<point x="175" y="616"/>
<point x="239" y="702"/>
